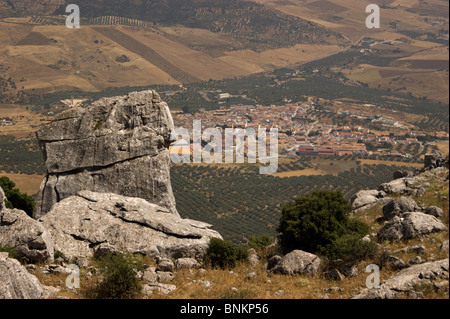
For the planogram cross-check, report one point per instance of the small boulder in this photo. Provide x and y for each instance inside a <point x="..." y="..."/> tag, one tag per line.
<point x="434" y="211"/>
<point x="186" y="263"/>
<point x="165" y="264"/>
<point x="298" y="262"/>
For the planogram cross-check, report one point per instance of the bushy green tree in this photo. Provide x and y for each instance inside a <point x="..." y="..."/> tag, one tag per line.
<point x="260" y="241"/>
<point x="224" y="254"/>
<point x="317" y="223"/>
<point x="16" y="199"/>
<point x="120" y="277"/>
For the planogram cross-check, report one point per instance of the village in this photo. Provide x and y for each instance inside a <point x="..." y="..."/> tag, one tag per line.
<point x="302" y="133"/>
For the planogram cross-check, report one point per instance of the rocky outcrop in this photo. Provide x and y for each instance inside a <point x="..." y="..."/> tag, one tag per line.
<point x="408" y="280"/>
<point x="396" y="207"/>
<point x="410" y="225"/>
<point x="26" y="236"/>
<point x="82" y="224"/>
<point x="298" y="262"/>
<point x="115" y="145"/>
<point x="16" y="282"/>
<point x="366" y="199"/>
<point x="435" y="160"/>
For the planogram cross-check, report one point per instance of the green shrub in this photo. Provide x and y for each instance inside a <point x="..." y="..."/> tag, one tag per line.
<point x="260" y="241"/>
<point x="224" y="254"/>
<point x="16" y="199"/>
<point x="12" y="253"/>
<point x="120" y="277"/>
<point x="349" y="250"/>
<point x="318" y="223"/>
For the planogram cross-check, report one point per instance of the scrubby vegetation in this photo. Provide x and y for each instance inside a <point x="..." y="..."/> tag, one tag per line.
<point x="120" y="277"/>
<point x="319" y="223"/>
<point x="15" y="198"/>
<point x="224" y="254"/>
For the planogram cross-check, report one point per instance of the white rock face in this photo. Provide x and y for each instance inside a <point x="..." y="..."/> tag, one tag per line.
<point x="116" y="145"/>
<point x="16" y="282"/>
<point x="81" y="223"/>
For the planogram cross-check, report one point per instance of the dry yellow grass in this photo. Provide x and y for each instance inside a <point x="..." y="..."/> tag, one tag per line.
<point x="25" y="183"/>
<point x="25" y="120"/>
<point x="443" y="147"/>
<point x="305" y="172"/>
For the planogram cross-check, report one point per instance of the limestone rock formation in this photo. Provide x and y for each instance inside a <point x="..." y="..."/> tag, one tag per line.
<point x="396" y="207"/>
<point x="405" y="281"/>
<point x="298" y="262"/>
<point x="115" y="145"/>
<point x="16" y="282"/>
<point x="365" y="197"/>
<point x="25" y="235"/>
<point x="80" y="224"/>
<point x="410" y="225"/>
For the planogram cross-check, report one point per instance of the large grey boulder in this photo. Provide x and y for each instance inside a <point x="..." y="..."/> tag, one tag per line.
<point x="396" y="207"/>
<point x="406" y="280"/>
<point x="16" y="282"/>
<point x="118" y="145"/>
<point x="80" y="224"/>
<point x="298" y="262"/>
<point x="410" y="225"/>
<point x="364" y="197"/>
<point x="413" y="186"/>
<point x="434" y="160"/>
<point x="25" y="235"/>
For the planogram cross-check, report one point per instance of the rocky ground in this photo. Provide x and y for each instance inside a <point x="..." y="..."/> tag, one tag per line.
<point x="409" y="222"/>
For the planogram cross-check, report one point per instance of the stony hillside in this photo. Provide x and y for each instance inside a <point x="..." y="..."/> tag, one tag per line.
<point x="408" y="219"/>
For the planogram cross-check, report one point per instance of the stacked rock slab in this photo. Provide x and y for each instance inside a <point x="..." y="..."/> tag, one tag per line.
<point x="116" y="145"/>
<point x="92" y="224"/>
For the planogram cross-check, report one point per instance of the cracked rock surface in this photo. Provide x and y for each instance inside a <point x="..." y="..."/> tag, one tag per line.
<point x="115" y="145"/>
<point x="80" y="224"/>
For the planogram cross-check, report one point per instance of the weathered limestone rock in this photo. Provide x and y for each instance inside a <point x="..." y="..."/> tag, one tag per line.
<point x="186" y="263"/>
<point x="16" y="282"/>
<point x="435" y="160"/>
<point x="79" y="224"/>
<point x="363" y="198"/>
<point x="115" y="145"/>
<point x="405" y="281"/>
<point x="25" y="235"/>
<point x="410" y="225"/>
<point x="434" y="211"/>
<point x="396" y="207"/>
<point x="298" y="262"/>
